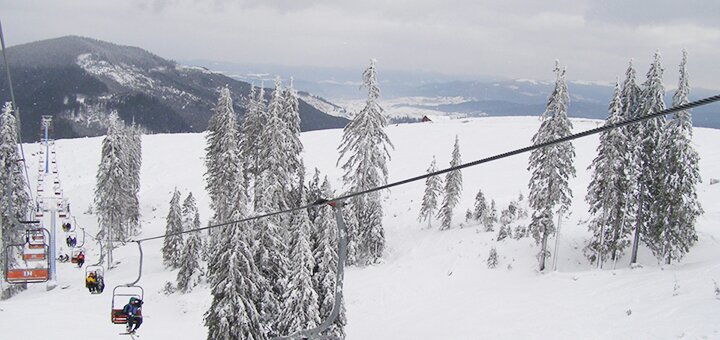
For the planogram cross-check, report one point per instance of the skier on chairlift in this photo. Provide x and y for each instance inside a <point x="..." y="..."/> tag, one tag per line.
<point x="81" y="259"/>
<point x="133" y="310"/>
<point x="91" y="282"/>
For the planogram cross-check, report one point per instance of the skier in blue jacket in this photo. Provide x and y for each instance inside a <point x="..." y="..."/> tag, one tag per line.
<point x="133" y="310"/>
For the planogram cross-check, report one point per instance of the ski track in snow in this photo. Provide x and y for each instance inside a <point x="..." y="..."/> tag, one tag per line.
<point x="432" y="284"/>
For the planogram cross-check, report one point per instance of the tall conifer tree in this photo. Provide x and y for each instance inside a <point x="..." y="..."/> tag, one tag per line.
<point x="452" y="190"/>
<point x="433" y="188"/>
<point x="609" y="189"/>
<point x="551" y="167"/>
<point x="680" y="175"/>
<point x="364" y="149"/>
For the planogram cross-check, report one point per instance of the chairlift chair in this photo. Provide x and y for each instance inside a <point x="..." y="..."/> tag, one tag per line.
<point x="34" y="254"/>
<point x="35" y="238"/>
<point x="75" y="253"/>
<point x="120" y="296"/>
<point x="39" y="272"/>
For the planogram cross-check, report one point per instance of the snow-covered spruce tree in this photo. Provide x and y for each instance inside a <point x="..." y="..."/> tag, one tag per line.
<point x="274" y="162"/>
<point x="491" y="217"/>
<point x="173" y="244"/>
<point x="112" y="191"/>
<point x="271" y="256"/>
<point x="648" y="222"/>
<point x="233" y="313"/>
<point x="679" y="205"/>
<point x="364" y="149"/>
<point x="452" y="189"/>
<point x="300" y="310"/>
<point x="433" y="188"/>
<point x="609" y="190"/>
<point x="222" y="156"/>
<point x="551" y="167"/>
<point x="290" y="114"/>
<point x="481" y="207"/>
<point x="14" y="200"/>
<point x="326" y="260"/>
<point x="250" y="146"/>
<point x="314" y="192"/>
<point x="351" y="223"/>
<point x="492" y="260"/>
<point x="188" y="211"/>
<point x="191" y="272"/>
<point x="133" y="161"/>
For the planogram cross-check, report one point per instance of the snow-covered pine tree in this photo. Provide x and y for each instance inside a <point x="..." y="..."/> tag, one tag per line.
<point x="452" y="189"/>
<point x="274" y="163"/>
<point x="173" y="244"/>
<point x="351" y="223"/>
<point x="188" y="211"/>
<point x="222" y="156"/>
<point x="491" y="218"/>
<point x="290" y="114"/>
<point x="314" y="192"/>
<point x="191" y="272"/>
<point x="112" y="191"/>
<point x="648" y="223"/>
<point x="481" y="207"/>
<point x="300" y="302"/>
<point x="326" y="259"/>
<point x="630" y="104"/>
<point x="364" y="147"/>
<point x="133" y="161"/>
<point x="609" y="190"/>
<point x="14" y="200"/>
<point x="234" y="286"/>
<point x="433" y="188"/>
<point x="680" y="174"/>
<point x="551" y="166"/>
<point x="250" y="146"/>
<point x="492" y="260"/>
<point x="271" y="256"/>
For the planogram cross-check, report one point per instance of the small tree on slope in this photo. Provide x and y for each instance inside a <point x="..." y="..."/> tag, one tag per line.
<point x="551" y="167"/>
<point x="481" y="207"/>
<point x="173" y="244"/>
<point x="433" y="187"/>
<point x="453" y="189"/>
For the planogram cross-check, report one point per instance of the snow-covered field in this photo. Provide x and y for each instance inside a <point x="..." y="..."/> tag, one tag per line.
<point x="432" y="284"/>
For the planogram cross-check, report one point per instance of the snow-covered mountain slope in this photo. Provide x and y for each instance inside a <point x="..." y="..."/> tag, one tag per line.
<point x="433" y="284"/>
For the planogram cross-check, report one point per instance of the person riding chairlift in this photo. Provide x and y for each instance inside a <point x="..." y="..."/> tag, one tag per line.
<point x="91" y="282"/>
<point x="81" y="259"/>
<point x="133" y="310"/>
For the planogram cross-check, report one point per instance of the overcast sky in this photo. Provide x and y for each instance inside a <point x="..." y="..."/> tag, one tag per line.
<point x="508" y="38"/>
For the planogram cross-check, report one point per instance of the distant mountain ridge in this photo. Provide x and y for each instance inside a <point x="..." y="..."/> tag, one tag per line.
<point x="478" y="96"/>
<point x="79" y="80"/>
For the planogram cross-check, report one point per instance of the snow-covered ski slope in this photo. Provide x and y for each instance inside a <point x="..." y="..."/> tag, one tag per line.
<point x="432" y="284"/>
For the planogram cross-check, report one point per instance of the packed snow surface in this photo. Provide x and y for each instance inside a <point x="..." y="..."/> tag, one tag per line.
<point x="432" y="284"/>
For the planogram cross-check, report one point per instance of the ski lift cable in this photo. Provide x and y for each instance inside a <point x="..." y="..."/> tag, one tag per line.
<point x="17" y="113"/>
<point x="585" y="133"/>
